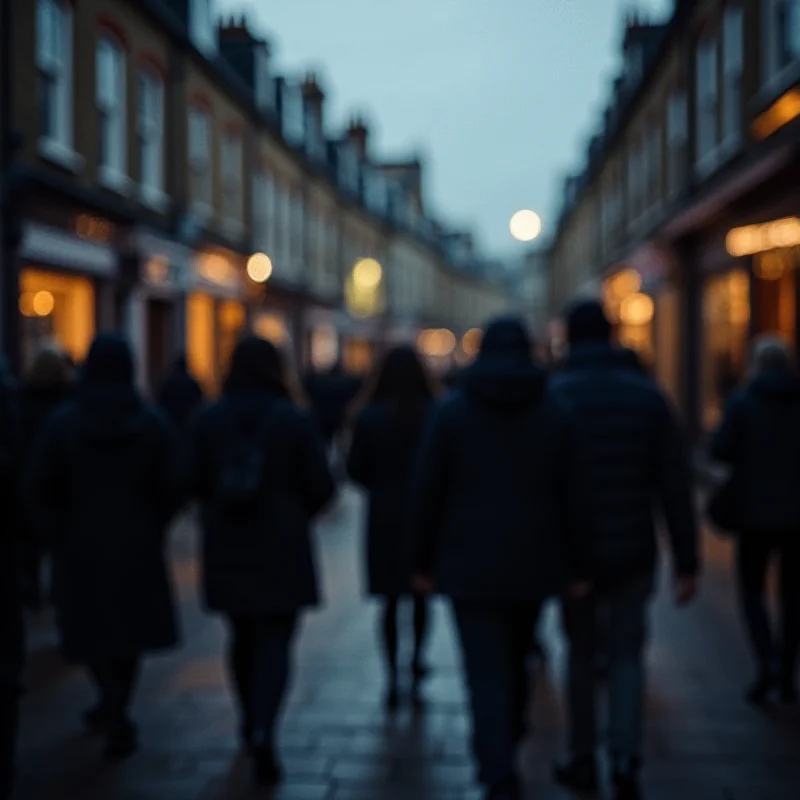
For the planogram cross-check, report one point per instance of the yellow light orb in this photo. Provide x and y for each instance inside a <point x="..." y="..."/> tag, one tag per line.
<point x="471" y="342"/>
<point x="525" y="225"/>
<point x="259" y="268"/>
<point x="26" y="304"/>
<point x="43" y="304"/>
<point x="637" y="309"/>
<point x="367" y="273"/>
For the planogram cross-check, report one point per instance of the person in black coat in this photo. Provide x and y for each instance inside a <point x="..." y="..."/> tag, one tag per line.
<point x="502" y="523"/>
<point x="760" y="438"/>
<point x="638" y="464"/>
<point x="47" y="385"/>
<point x="11" y="628"/>
<point x="180" y="395"/>
<point x="103" y="485"/>
<point x="260" y="473"/>
<point x="382" y="459"/>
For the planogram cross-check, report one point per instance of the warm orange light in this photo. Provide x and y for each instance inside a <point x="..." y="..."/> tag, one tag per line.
<point x="752" y="239"/>
<point x="259" y="268"/>
<point x="769" y="266"/>
<point x="637" y="309"/>
<point x="437" y="342"/>
<point x="26" y="304"/>
<point x="626" y="282"/>
<point x="43" y="303"/>
<point x="780" y="113"/>
<point x="270" y="327"/>
<point x="471" y="342"/>
<point x="157" y="269"/>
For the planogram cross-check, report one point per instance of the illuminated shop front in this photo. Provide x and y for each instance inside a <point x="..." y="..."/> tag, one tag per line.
<point x="438" y="346"/>
<point x="631" y="311"/>
<point x="365" y="301"/>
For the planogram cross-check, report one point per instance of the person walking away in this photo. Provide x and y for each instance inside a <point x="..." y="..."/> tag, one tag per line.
<point x="11" y="627"/>
<point x="180" y="395"/>
<point x="636" y="453"/>
<point x="104" y="484"/>
<point x="760" y="439"/>
<point x="47" y="385"/>
<point x="394" y="411"/>
<point x="260" y="473"/>
<point x="502" y="523"/>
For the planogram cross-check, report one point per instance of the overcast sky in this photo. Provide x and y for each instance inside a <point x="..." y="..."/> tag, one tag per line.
<point x="499" y="96"/>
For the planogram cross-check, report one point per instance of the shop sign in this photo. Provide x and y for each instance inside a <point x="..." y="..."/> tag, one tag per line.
<point x="778" y="115"/>
<point x="752" y="239"/>
<point x="47" y="245"/>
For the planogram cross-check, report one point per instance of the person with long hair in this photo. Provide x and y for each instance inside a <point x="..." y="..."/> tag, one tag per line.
<point x="259" y="470"/>
<point x="394" y="411"/>
<point x="46" y="386"/>
<point x="104" y="483"/>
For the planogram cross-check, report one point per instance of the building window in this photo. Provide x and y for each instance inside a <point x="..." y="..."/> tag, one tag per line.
<point x="677" y="141"/>
<point x="54" y="68"/>
<point x="264" y="212"/>
<point x="200" y="157"/>
<point x="707" y="104"/>
<point x="297" y="230"/>
<point x="781" y="26"/>
<point x="264" y="86"/>
<point x="111" y="109"/>
<point x="293" y="123"/>
<point x="201" y="26"/>
<point x="151" y="136"/>
<point x="231" y="162"/>
<point x="654" y="165"/>
<point x="732" y="65"/>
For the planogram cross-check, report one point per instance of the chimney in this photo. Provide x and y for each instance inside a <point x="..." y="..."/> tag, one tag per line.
<point x="358" y="133"/>
<point x="249" y="56"/>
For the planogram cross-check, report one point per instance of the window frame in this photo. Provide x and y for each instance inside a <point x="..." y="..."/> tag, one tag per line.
<point x="151" y="137"/>
<point x="707" y="138"/>
<point x="732" y="73"/>
<point x="112" y="111"/>
<point x="201" y="163"/>
<point x="231" y="175"/>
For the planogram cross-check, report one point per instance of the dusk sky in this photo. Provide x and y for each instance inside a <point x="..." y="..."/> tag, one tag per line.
<point x="498" y="96"/>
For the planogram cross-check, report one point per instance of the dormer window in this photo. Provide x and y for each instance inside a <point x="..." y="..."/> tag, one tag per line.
<point x="348" y="167"/>
<point x="201" y="26"/>
<point x="264" y="85"/>
<point x="375" y="195"/>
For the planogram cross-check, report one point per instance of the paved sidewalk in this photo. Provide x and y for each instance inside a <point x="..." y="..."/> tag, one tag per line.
<point x="337" y="742"/>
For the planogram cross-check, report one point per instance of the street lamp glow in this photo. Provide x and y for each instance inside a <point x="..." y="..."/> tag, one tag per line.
<point x="367" y="273"/>
<point x="525" y="225"/>
<point x="259" y="268"/>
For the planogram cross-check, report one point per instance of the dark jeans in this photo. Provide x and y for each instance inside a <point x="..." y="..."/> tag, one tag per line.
<point x="9" y="714"/>
<point x="613" y="618"/>
<point x="259" y="664"/>
<point x="116" y="681"/>
<point x="495" y="640"/>
<point x="390" y="630"/>
<point x="754" y="555"/>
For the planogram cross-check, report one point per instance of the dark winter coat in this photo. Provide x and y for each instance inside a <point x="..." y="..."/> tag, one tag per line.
<point x="11" y="634"/>
<point x="760" y="438"/>
<point x="37" y="403"/>
<point x="103" y="486"/>
<point x="260" y="563"/>
<point x="382" y="459"/>
<point x="180" y="396"/>
<point x="500" y="509"/>
<point x="330" y="395"/>
<point x="637" y="460"/>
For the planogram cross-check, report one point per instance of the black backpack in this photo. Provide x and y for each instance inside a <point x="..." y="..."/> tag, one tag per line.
<point x="241" y="477"/>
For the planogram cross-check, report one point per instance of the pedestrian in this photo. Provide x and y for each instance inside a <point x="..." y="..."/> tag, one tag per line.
<point x="502" y="524"/>
<point x="180" y="395"/>
<point x="760" y="439"/>
<point x="103" y="486"/>
<point x="391" y="418"/>
<point x="260" y="473"/>
<point x="11" y="628"/>
<point x="47" y="385"/>
<point x="637" y="464"/>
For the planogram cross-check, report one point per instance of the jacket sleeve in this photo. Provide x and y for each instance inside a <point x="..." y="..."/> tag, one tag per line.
<point x="44" y="481"/>
<point x="726" y="440"/>
<point x="676" y="494"/>
<point x="430" y="494"/>
<point x="197" y="467"/>
<point x="317" y="483"/>
<point x="576" y="512"/>
<point x="359" y="458"/>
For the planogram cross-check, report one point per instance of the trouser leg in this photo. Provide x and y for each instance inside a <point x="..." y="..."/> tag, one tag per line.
<point x="790" y="606"/>
<point x="421" y="616"/>
<point x="628" y="606"/>
<point x="390" y="635"/>
<point x="241" y="665"/>
<point x="752" y="564"/>
<point x="579" y="620"/>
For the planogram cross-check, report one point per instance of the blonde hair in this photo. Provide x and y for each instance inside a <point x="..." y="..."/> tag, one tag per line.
<point x="50" y="366"/>
<point x="769" y="353"/>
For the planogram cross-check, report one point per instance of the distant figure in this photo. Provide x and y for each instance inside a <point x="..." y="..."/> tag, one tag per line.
<point x="260" y="473"/>
<point x="760" y="439"/>
<point x="503" y="523"/>
<point x="104" y="485"/>
<point x="330" y="394"/>
<point x="47" y="385"/>
<point x="638" y="464"/>
<point x="394" y="411"/>
<point x="11" y="630"/>
<point x="180" y="395"/>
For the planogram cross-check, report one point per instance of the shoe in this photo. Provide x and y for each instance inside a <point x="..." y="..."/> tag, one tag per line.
<point x="758" y="693"/>
<point x="267" y="770"/>
<point x="578" y="775"/>
<point x="122" y="741"/>
<point x="96" y="718"/>
<point x="392" y="701"/>
<point x="625" y="778"/>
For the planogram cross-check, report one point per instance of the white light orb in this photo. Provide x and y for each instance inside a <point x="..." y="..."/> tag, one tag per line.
<point x="525" y="225"/>
<point x="259" y="268"/>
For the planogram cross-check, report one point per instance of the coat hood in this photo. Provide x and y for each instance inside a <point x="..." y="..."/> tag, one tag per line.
<point x="779" y="388"/>
<point x="108" y="413"/>
<point x="602" y="354"/>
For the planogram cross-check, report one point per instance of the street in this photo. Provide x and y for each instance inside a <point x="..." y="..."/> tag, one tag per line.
<point x="338" y="743"/>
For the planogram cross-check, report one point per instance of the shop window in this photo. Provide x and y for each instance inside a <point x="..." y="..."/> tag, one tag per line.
<point x="231" y="320"/>
<point x="111" y="111"/>
<point x="200" y="340"/>
<point x="54" y="75"/>
<point x="58" y="308"/>
<point x="726" y="325"/>
<point x="357" y="356"/>
<point x="668" y="340"/>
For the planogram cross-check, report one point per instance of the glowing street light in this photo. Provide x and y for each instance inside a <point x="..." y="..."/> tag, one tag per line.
<point x="259" y="268"/>
<point x="525" y="225"/>
<point x="367" y="273"/>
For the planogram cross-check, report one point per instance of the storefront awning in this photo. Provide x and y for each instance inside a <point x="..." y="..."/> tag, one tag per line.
<point x="55" y="247"/>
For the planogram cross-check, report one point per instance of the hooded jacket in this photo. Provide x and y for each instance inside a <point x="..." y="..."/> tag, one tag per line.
<point x="760" y="438"/>
<point x="104" y="483"/>
<point x="500" y="511"/>
<point x="637" y="461"/>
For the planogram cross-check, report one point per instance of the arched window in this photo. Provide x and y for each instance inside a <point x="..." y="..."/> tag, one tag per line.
<point x="111" y="111"/>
